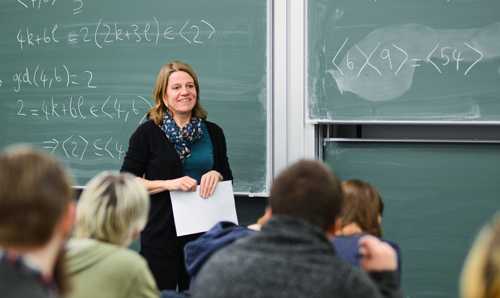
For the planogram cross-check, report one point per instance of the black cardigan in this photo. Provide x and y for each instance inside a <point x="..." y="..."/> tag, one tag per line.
<point x="152" y="156"/>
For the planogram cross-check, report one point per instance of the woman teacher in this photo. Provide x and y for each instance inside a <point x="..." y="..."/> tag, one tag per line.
<point x="176" y="149"/>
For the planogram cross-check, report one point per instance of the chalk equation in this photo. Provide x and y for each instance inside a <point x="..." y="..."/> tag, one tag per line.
<point x="381" y="66"/>
<point x="76" y="146"/>
<point x="75" y="107"/>
<point x="449" y="55"/>
<point x="32" y="39"/>
<point x="38" y="4"/>
<point x="102" y="34"/>
<point x="39" y="77"/>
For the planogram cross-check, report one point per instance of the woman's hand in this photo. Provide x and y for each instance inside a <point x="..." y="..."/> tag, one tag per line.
<point x="185" y="183"/>
<point x="156" y="186"/>
<point x="208" y="183"/>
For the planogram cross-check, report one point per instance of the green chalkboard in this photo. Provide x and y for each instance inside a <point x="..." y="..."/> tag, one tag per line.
<point x="403" y="61"/>
<point x="436" y="197"/>
<point x="77" y="77"/>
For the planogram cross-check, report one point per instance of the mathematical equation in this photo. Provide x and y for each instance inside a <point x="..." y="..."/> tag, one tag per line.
<point x="366" y="58"/>
<point x="75" y="147"/>
<point x="38" y="4"/>
<point x="103" y="34"/>
<point x="76" y="108"/>
<point x="39" y="77"/>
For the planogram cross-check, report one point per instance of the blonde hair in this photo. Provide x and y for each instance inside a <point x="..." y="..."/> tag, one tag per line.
<point x="156" y="112"/>
<point x="35" y="191"/>
<point x="111" y="207"/>
<point x="481" y="272"/>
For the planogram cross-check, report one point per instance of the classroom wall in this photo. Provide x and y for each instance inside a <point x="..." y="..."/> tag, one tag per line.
<point x="293" y="137"/>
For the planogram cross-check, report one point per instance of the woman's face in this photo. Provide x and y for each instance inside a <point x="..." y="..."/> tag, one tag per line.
<point x="180" y="96"/>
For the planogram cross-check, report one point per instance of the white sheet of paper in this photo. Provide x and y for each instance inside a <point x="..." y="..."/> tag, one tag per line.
<point x="194" y="214"/>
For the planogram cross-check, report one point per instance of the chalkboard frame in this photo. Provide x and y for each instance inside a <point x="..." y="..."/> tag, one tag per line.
<point x="251" y="187"/>
<point x="371" y="119"/>
<point x="406" y="199"/>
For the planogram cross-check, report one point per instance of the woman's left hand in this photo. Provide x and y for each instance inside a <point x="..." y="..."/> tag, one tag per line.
<point x="208" y="183"/>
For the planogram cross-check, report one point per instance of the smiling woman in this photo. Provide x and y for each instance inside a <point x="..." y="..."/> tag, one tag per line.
<point x="176" y="149"/>
<point x="181" y="97"/>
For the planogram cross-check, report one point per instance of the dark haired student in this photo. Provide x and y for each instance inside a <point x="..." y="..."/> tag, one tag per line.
<point x="291" y="256"/>
<point x="37" y="211"/>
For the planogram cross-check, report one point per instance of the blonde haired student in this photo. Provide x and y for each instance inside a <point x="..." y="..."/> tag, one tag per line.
<point x="110" y="213"/>
<point x="481" y="273"/>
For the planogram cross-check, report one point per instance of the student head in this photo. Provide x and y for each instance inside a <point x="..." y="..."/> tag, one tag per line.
<point x="362" y="206"/>
<point x="36" y="209"/>
<point x="35" y="194"/>
<point x="307" y="190"/>
<point x="156" y="112"/>
<point x="481" y="272"/>
<point x="113" y="208"/>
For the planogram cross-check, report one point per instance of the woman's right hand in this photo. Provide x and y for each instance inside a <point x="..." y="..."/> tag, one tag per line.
<point x="185" y="183"/>
<point x="156" y="186"/>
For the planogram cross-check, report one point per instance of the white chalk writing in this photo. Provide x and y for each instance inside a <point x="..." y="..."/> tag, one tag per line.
<point x="39" y="77"/>
<point x="76" y="108"/>
<point x="106" y="33"/>
<point x="447" y="54"/>
<point x="76" y="146"/>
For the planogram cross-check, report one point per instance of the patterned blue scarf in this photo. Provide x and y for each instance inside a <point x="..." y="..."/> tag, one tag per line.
<point x="182" y="138"/>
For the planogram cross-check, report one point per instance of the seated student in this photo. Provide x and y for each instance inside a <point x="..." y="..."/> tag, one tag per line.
<point x="481" y="272"/>
<point x="361" y="215"/>
<point x="291" y="256"/>
<point x="37" y="210"/>
<point x="197" y="252"/>
<point x="110" y="213"/>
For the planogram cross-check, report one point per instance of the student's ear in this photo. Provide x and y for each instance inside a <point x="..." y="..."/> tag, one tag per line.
<point x="135" y="233"/>
<point x="334" y="228"/>
<point x="262" y="220"/>
<point x="266" y="216"/>
<point x="68" y="219"/>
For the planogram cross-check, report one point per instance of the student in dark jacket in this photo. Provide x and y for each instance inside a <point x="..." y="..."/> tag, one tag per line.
<point x="176" y="149"/>
<point x="292" y="256"/>
<point x="198" y="251"/>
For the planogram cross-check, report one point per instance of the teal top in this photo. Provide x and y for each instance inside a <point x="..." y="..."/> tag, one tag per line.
<point x="201" y="160"/>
